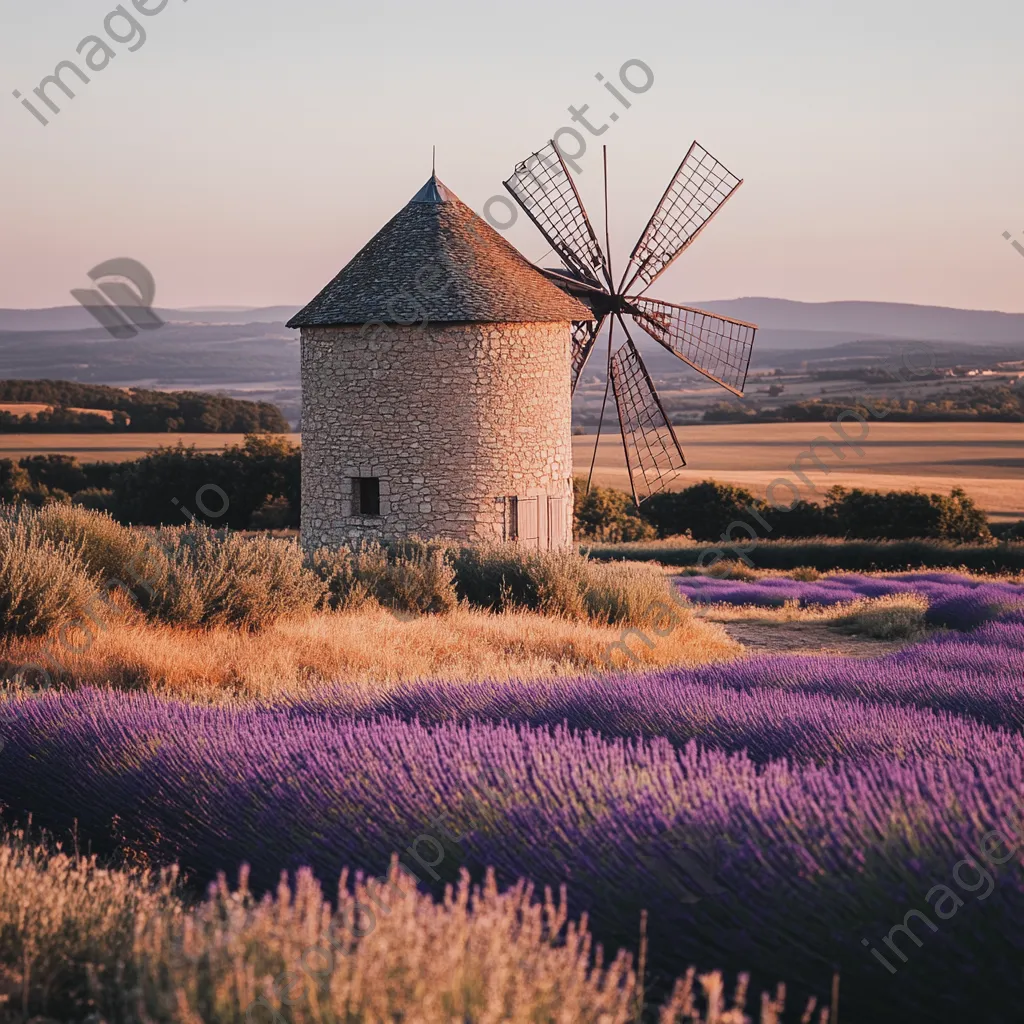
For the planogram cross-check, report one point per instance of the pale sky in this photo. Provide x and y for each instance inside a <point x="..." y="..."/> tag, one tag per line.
<point x="249" y="148"/>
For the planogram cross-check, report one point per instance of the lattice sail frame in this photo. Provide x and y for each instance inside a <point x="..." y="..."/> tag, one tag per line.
<point x="716" y="346"/>
<point x="546" y="191"/>
<point x="653" y="452"/>
<point x="698" y="190"/>
<point x="584" y="337"/>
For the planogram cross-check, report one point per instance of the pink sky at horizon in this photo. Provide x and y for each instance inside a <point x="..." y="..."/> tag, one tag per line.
<point x="244" y="152"/>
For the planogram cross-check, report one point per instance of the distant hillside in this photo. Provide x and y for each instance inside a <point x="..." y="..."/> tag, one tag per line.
<point x="249" y="353"/>
<point x="787" y="324"/>
<point x="783" y="322"/>
<point x="75" y="407"/>
<point x="174" y="356"/>
<point x="75" y="318"/>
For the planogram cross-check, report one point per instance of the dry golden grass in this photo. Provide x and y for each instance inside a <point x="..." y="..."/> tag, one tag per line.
<point x="78" y="941"/>
<point x="370" y="646"/>
<point x="891" y="617"/>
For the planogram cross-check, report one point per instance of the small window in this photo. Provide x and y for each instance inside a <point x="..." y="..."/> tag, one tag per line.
<point x="366" y="491"/>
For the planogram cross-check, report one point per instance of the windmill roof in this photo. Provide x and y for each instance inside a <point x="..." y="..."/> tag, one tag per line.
<point x="437" y="260"/>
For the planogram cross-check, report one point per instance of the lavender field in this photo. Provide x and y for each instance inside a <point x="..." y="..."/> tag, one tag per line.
<point x="779" y="814"/>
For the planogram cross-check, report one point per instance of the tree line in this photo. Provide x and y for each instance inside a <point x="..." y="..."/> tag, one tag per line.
<point x="262" y="479"/>
<point x="132" y="409"/>
<point x="978" y="404"/>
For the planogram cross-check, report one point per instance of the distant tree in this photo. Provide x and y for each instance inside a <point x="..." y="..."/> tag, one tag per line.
<point x="157" y="489"/>
<point x="134" y="409"/>
<point x="608" y="515"/>
<point x="60" y="471"/>
<point x="705" y="511"/>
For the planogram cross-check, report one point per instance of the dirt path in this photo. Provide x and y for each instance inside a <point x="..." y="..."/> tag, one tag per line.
<point x="761" y="637"/>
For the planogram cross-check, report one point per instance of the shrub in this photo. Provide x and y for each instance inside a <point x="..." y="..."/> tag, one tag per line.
<point x="805" y="574"/>
<point x="803" y="519"/>
<point x="830" y="555"/>
<point x="97" y="499"/>
<point x="17" y="487"/>
<point x="216" y="577"/>
<point x="60" y="472"/>
<point x="503" y="576"/>
<point x="412" y="576"/>
<point x="902" y="515"/>
<point x="495" y="577"/>
<point x="637" y="595"/>
<point x="43" y="585"/>
<point x="112" y="554"/>
<point x="418" y="579"/>
<point x="1007" y="532"/>
<point x="892" y="617"/>
<point x="704" y="510"/>
<point x="607" y="514"/>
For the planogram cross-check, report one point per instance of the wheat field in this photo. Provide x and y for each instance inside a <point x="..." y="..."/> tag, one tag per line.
<point x="987" y="459"/>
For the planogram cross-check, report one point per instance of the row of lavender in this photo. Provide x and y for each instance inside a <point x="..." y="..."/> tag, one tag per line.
<point x="799" y="864"/>
<point x="866" y="785"/>
<point x="955" y="601"/>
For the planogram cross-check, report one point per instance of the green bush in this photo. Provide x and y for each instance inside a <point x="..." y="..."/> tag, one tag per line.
<point x="1009" y="531"/>
<point x="216" y="577"/>
<point x="156" y="489"/>
<point x="705" y="511"/>
<point x="902" y="515"/>
<point x="17" y="487"/>
<point x="43" y="584"/>
<point x="96" y="499"/>
<point x="606" y="514"/>
<point x="60" y="472"/>
<point x="804" y="519"/>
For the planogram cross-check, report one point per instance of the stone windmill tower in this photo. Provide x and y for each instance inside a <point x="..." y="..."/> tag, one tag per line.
<point x="436" y="388"/>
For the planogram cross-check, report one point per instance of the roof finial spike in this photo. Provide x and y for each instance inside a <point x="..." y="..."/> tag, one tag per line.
<point x="433" y="164"/>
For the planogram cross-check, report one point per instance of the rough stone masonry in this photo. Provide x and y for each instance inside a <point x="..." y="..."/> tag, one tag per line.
<point x="454" y="419"/>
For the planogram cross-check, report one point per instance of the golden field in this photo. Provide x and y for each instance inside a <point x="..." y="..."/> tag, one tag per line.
<point x="987" y="459"/>
<point x="366" y="648"/>
<point x="118" y="447"/>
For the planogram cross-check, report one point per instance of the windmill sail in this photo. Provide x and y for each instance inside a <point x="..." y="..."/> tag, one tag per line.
<point x="716" y="346"/>
<point x="698" y="191"/>
<point x="653" y="454"/>
<point x="543" y="188"/>
<point x="584" y="336"/>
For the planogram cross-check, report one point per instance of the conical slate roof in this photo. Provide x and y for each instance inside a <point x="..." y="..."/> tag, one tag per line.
<point x="437" y="260"/>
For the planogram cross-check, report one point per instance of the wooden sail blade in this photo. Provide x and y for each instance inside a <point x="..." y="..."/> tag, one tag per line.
<point x="541" y="185"/>
<point x="716" y="346"/>
<point x="653" y="454"/>
<point x="700" y="188"/>
<point x="584" y="337"/>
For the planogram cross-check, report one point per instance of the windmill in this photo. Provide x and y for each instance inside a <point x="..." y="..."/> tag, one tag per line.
<point x="715" y="346"/>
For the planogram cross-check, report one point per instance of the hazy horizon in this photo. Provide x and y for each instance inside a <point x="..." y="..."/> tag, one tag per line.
<point x="245" y="154"/>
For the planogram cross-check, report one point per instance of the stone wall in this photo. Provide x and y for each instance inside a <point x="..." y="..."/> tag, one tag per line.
<point x="453" y="418"/>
